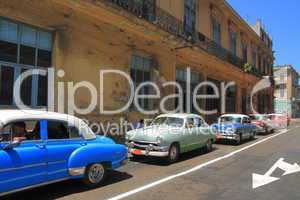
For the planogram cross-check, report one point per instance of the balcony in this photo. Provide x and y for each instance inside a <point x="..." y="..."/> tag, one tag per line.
<point x="149" y="11"/>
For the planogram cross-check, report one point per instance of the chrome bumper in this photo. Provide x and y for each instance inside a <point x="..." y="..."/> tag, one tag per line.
<point x="77" y="171"/>
<point x="260" y="129"/>
<point x="148" y="153"/>
<point x="226" y="137"/>
<point x="148" y="149"/>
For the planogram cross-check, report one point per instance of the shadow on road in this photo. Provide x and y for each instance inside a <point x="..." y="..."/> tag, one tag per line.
<point x="65" y="188"/>
<point x="163" y="162"/>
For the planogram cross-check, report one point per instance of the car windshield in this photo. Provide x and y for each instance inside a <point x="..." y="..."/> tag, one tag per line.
<point x="273" y="117"/>
<point x="257" y="117"/>
<point x="230" y="119"/>
<point x="169" y="121"/>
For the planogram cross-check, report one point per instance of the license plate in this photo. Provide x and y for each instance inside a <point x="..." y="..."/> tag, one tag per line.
<point x="137" y="152"/>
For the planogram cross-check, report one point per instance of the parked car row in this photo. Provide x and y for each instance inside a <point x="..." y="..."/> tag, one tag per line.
<point x="39" y="148"/>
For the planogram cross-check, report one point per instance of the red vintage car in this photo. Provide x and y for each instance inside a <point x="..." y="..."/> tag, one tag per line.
<point x="281" y="120"/>
<point x="263" y="123"/>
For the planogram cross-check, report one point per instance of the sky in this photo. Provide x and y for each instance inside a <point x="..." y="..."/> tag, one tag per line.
<point x="281" y="20"/>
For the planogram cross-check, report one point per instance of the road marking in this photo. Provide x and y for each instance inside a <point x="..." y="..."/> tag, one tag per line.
<point x="158" y="182"/>
<point x="261" y="180"/>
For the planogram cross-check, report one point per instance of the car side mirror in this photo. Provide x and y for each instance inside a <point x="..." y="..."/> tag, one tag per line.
<point x="12" y="145"/>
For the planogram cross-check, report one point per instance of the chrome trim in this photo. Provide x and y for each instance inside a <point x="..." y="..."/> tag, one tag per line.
<point x="24" y="167"/>
<point x="23" y="177"/>
<point x="66" y="139"/>
<point x="77" y="171"/>
<point x="151" y="153"/>
<point x="57" y="171"/>
<point x="33" y="186"/>
<point x="146" y="142"/>
<point x="33" y="165"/>
<point x="57" y="162"/>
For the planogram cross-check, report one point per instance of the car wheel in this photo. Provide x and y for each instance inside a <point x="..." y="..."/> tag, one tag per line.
<point x="239" y="139"/>
<point x="95" y="174"/>
<point x="209" y="146"/>
<point x="266" y="131"/>
<point x="173" y="153"/>
<point x="252" y="135"/>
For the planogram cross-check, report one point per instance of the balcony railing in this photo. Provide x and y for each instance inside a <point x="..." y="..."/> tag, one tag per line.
<point x="147" y="10"/>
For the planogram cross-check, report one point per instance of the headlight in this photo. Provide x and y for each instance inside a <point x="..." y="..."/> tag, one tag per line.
<point x="159" y="139"/>
<point x="230" y="131"/>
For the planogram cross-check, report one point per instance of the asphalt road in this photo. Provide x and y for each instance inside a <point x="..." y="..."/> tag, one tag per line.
<point x="220" y="174"/>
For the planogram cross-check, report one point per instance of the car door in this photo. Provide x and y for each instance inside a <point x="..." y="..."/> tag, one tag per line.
<point x="61" y="143"/>
<point x="247" y="127"/>
<point x="201" y="131"/>
<point x="24" y="165"/>
<point x="189" y="139"/>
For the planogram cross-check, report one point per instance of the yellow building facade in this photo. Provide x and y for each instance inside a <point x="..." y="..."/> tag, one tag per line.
<point x="165" y="37"/>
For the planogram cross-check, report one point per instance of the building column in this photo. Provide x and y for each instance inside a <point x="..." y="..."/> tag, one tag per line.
<point x="238" y="107"/>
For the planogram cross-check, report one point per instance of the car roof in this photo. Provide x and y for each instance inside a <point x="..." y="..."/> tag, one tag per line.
<point x="7" y="116"/>
<point x="276" y="114"/>
<point x="179" y="115"/>
<point x="234" y="115"/>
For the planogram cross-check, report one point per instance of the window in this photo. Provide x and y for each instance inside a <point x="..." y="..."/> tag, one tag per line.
<point x="8" y="41"/>
<point x="170" y="121"/>
<point x="24" y="48"/>
<point x="216" y="31"/>
<point x="8" y="51"/>
<point x="198" y="122"/>
<point x="6" y="85"/>
<point x="230" y="119"/>
<point x="233" y="42"/>
<point x="230" y="99"/>
<point x="21" y="131"/>
<point x="190" y="17"/>
<point x="282" y="90"/>
<point x="259" y="64"/>
<point x="244" y="52"/>
<point x="282" y="77"/>
<point x="26" y="89"/>
<point x="59" y="130"/>
<point x="181" y="75"/>
<point x="246" y="120"/>
<point x="175" y="122"/>
<point x="212" y="104"/>
<point x="73" y="132"/>
<point x="254" y="58"/>
<point x="190" y="123"/>
<point x="140" y="73"/>
<point x="42" y="91"/>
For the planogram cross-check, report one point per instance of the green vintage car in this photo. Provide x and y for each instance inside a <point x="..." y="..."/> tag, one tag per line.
<point x="169" y="135"/>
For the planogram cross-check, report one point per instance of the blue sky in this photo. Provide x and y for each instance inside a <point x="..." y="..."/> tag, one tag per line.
<point x="281" y="20"/>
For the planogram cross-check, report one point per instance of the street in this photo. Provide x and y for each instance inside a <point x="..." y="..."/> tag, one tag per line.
<point x="225" y="173"/>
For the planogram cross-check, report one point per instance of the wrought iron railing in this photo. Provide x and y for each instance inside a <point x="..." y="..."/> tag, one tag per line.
<point x="147" y="10"/>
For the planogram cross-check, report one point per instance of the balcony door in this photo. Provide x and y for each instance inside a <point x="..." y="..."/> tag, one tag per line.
<point x="190" y="17"/>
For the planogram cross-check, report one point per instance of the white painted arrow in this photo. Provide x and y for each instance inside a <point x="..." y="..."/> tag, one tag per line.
<point x="288" y="168"/>
<point x="261" y="180"/>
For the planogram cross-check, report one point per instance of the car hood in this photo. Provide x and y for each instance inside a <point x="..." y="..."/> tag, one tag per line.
<point x="149" y="133"/>
<point x="223" y="127"/>
<point x="104" y="140"/>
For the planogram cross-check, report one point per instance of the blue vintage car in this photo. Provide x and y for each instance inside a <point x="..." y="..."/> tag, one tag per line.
<point x="39" y="148"/>
<point x="234" y="127"/>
